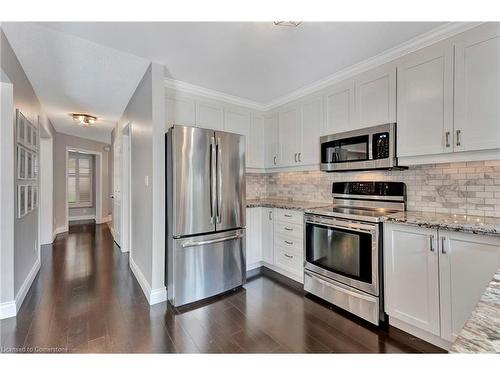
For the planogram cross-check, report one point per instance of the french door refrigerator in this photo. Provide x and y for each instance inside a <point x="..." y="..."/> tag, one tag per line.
<point x="205" y="213"/>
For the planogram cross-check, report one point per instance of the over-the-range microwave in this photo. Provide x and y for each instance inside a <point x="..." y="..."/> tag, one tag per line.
<point x="361" y="149"/>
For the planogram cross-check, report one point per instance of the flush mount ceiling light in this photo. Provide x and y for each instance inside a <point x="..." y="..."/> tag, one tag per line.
<point x="83" y="119"/>
<point x="287" y="23"/>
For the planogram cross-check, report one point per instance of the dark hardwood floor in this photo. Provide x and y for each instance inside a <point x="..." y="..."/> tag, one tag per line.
<point x="85" y="299"/>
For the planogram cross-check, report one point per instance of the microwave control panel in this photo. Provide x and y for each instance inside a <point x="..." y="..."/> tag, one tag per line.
<point x="380" y="145"/>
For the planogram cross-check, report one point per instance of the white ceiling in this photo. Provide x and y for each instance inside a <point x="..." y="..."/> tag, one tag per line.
<point x="95" y="67"/>
<point x="74" y="75"/>
<point x="253" y="60"/>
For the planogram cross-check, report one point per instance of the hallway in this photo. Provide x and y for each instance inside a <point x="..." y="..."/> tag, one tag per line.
<point x="85" y="299"/>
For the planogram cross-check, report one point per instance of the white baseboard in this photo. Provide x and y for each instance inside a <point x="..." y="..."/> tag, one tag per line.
<point x="299" y="279"/>
<point x="153" y="296"/>
<point x="27" y="284"/>
<point x="8" y="309"/>
<point x="254" y="266"/>
<point x="82" y="217"/>
<point x="59" y="230"/>
<point x="420" y="333"/>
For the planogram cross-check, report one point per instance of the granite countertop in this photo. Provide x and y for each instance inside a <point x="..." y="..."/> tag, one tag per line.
<point x="481" y="333"/>
<point x="459" y="223"/>
<point x="282" y="203"/>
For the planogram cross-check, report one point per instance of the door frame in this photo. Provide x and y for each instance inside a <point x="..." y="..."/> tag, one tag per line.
<point x="126" y="186"/>
<point x="98" y="184"/>
<point x="46" y="233"/>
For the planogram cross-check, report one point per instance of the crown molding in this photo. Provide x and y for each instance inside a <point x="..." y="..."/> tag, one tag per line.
<point x="212" y="94"/>
<point x="440" y="33"/>
<point x="423" y="40"/>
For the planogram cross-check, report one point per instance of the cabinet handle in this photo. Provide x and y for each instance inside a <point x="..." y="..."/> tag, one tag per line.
<point x="274" y="160"/>
<point x="289" y="229"/>
<point x="447" y="139"/>
<point x="288" y="242"/>
<point x="270" y="215"/>
<point x="287" y="215"/>
<point x="458" y="137"/>
<point x="288" y="256"/>
<point x="431" y="242"/>
<point x="443" y="239"/>
<point x="295" y="157"/>
<point x="300" y="157"/>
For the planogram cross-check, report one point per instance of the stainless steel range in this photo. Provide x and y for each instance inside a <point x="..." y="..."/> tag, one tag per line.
<point x="343" y="256"/>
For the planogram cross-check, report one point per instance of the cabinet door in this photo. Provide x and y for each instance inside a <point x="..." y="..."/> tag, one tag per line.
<point x="268" y="235"/>
<point x="375" y="96"/>
<point x="271" y="140"/>
<point x="425" y="101"/>
<point x="209" y="116"/>
<point x="255" y="157"/>
<point x="239" y="123"/>
<point x="411" y="275"/>
<point x="310" y="130"/>
<point x="180" y="111"/>
<point x="288" y="126"/>
<point x="477" y="89"/>
<point x="467" y="263"/>
<point x="253" y="237"/>
<point x="339" y="111"/>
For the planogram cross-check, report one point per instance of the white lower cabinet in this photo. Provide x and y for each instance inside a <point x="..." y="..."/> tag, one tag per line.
<point x="433" y="278"/>
<point x="275" y="240"/>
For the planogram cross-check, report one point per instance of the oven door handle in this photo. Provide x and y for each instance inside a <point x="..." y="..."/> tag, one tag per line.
<point x="335" y="224"/>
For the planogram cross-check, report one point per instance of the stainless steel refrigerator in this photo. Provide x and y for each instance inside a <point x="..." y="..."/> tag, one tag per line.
<point x="205" y="213"/>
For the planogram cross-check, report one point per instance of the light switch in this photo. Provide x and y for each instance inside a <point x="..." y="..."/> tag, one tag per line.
<point x="146" y="180"/>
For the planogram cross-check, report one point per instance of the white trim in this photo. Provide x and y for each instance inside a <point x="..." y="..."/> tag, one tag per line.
<point x="433" y="36"/>
<point x="450" y="157"/>
<point x="102" y="220"/>
<point x="254" y="266"/>
<point x="420" y="333"/>
<point x="59" y="230"/>
<point x="299" y="279"/>
<point x="8" y="309"/>
<point x="153" y="296"/>
<point x="25" y="287"/>
<point x="82" y="217"/>
<point x="212" y="94"/>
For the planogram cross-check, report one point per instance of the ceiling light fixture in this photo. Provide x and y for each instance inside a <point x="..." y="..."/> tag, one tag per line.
<point x="83" y="119"/>
<point x="287" y="23"/>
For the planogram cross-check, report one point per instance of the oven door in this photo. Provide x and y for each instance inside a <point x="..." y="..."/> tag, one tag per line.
<point x="343" y="250"/>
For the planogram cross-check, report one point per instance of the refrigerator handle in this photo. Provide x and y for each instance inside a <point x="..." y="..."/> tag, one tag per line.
<point x="213" y="180"/>
<point x="219" y="178"/>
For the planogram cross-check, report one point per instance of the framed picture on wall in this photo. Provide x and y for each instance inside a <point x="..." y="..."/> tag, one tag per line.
<point x="21" y="200"/>
<point x="29" y="198"/>
<point x="29" y="165"/>
<point x="21" y="163"/>
<point x="20" y="127"/>
<point x="34" y="199"/>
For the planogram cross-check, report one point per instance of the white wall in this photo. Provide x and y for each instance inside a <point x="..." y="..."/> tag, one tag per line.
<point x="46" y="203"/>
<point x="146" y="113"/>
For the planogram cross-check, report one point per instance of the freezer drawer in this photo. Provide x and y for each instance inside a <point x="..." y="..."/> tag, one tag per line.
<point x="204" y="266"/>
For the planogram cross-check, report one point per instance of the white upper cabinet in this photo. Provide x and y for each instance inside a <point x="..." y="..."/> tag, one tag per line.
<point x="288" y="133"/>
<point x="339" y="101"/>
<point x="180" y="111"/>
<point x="239" y="123"/>
<point x="477" y="89"/>
<point x="271" y="146"/>
<point x="425" y="101"/>
<point x="375" y="96"/>
<point x="255" y="156"/>
<point x="209" y="116"/>
<point x="411" y="274"/>
<point x="311" y="126"/>
<point x="467" y="263"/>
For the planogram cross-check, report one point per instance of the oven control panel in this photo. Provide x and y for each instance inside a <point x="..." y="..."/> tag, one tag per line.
<point x="380" y="188"/>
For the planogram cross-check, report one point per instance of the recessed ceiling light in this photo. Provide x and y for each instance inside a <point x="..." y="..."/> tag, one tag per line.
<point x="83" y="119"/>
<point x="287" y="23"/>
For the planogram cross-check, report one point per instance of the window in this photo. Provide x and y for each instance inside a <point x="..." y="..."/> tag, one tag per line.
<point x="80" y="186"/>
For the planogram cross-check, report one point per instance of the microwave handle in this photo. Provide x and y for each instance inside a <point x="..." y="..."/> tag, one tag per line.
<point x="370" y="146"/>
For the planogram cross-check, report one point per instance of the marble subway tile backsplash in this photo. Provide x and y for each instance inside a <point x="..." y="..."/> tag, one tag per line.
<point x="471" y="188"/>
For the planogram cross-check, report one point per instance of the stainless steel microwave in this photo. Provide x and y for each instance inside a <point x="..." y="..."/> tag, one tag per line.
<point x="361" y="149"/>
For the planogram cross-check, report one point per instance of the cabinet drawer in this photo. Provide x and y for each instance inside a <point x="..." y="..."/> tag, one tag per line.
<point x="290" y="261"/>
<point x="288" y="243"/>
<point x="289" y="230"/>
<point x="289" y="216"/>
